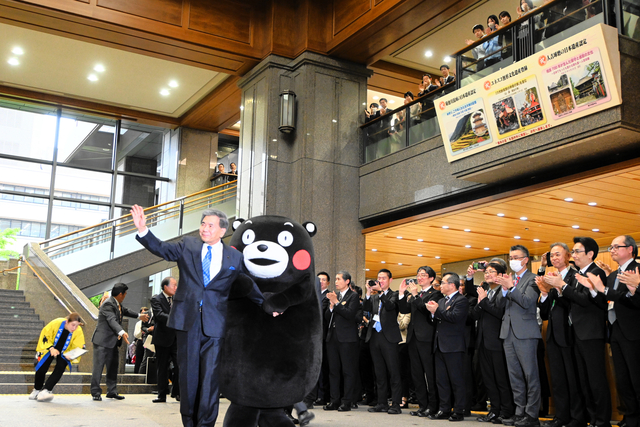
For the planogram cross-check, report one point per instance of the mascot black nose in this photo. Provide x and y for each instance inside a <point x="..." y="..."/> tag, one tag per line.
<point x="262" y="248"/>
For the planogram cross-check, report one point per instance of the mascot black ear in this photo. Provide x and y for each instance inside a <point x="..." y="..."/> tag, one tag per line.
<point x="236" y="223"/>
<point x="310" y="227"/>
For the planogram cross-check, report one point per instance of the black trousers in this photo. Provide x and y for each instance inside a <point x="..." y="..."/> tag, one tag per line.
<point x="55" y="376"/>
<point x="423" y="373"/>
<point x="493" y="366"/>
<point x="343" y="360"/>
<point x="626" y="354"/>
<point x="564" y="382"/>
<point x="164" y="355"/>
<point x="451" y="381"/>
<point x="590" y="362"/>
<point x="386" y="362"/>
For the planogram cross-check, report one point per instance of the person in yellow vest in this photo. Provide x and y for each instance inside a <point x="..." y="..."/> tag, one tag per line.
<point x="58" y="337"/>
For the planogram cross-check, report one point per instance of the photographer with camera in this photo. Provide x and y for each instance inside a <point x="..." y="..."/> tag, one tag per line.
<point x="412" y="299"/>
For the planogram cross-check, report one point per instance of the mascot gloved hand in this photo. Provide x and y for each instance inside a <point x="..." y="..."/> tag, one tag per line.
<point x="267" y="362"/>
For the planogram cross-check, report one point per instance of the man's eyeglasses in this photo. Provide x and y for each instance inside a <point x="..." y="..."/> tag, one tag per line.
<point x="577" y="251"/>
<point x="616" y="247"/>
<point x="422" y="275"/>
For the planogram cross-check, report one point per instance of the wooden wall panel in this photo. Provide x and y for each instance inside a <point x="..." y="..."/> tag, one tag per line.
<point x="218" y="110"/>
<point x="345" y="12"/>
<point x="167" y="11"/>
<point x="290" y="21"/>
<point x="227" y="19"/>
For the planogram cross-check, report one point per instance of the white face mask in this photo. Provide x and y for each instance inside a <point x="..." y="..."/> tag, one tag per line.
<point x="515" y="265"/>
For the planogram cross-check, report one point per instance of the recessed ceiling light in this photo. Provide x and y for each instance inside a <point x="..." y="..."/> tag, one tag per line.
<point x="595" y="230"/>
<point x="99" y="68"/>
<point x="173" y="83"/>
<point x="516" y="237"/>
<point x="524" y="218"/>
<point x="399" y="237"/>
<point x="568" y="199"/>
<point x="374" y="250"/>
<point x="274" y="140"/>
<point x="238" y="123"/>
<point x="399" y="263"/>
<point x="467" y="230"/>
<point x="467" y="246"/>
<point x="17" y="51"/>
<point x="428" y="54"/>
<point x="420" y="240"/>
<point x="575" y="226"/>
<point x="419" y="254"/>
<point x="164" y="92"/>
<point x="592" y="203"/>
<point x="13" y="61"/>
<point x="536" y="240"/>
<point x="376" y="97"/>
<point x="500" y="214"/>
<point x="334" y="120"/>
<point x="486" y="249"/>
<point x="241" y="108"/>
<point x="383" y="262"/>
<point x="92" y="77"/>
<point x="447" y="59"/>
<point x="364" y="103"/>
<point x="445" y="226"/>
<point x="366" y="269"/>
<point x="437" y="257"/>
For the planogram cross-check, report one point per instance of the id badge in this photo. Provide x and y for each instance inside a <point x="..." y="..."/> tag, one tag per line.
<point x="610" y="307"/>
<point x="376" y="317"/>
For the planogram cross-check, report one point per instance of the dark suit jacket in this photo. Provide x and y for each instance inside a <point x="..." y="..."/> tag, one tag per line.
<point x="419" y="327"/>
<point x="388" y="315"/>
<point x="555" y="309"/>
<point x="163" y="336"/>
<point x="520" y="307"/>
<point x="110" y="323"/>
<point x="588" y="314"/>
<point x="489" y="321"/>
<point x="191" y="287"/>
<point x="344" y="315"/>
<point x="450" y="318"/>
<point x="627" y="309"/>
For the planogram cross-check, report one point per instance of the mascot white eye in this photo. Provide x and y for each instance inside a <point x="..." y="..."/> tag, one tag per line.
<point x="285" y="239"/>
<point x="248" y="237"/>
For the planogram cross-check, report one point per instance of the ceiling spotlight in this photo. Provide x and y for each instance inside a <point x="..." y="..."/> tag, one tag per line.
<point x="164" y="92"/>
<point x="13" y="61"/>
<point x="437" y="257"/>
<point x="420" y="240"/>
<point x="374" y="250"/>
<point x="364" y="103"/>
<point x="595" y="230"/>
<point x="383" y="262"/>
<point x="486" y="249"/>
<point x="241" y="108"/>
<point x="391" y="101"/>
<point x="575" y="226"/>
<point x="99" y="68"/>
<point x="467" y="230"/>
<point x="428" y="54"/>
<point x="366" y="269"/>
<point x="334" y="120"/>
<point x="376" y="97"/>
<point x="419" y="254"/>
<point x="536" y="240"/>
<point x="173" y="83"/>
<point x="92" y="77"/>
<point x="524" y="218"/>
<point x="399" y="263"/>
<point x="568" y="199"/>
<point x="592" y="203"/>
<point x="445" y="226"/>
<point x="447" y="59"/>
<point x="274" y="140"/>
<point x="399" y="237"/>
<point x="501" y="214"/>
<point x="467" y="246"/>
<point x="17" y="51"/>
<point x="516" y="237"/>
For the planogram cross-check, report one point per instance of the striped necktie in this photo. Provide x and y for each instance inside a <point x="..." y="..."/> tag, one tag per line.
<point x="206" y="265"/>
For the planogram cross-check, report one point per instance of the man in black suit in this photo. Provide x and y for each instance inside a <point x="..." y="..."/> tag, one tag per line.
<point x="492" y="361"/>
<point x="450" y="316"/>
<point x="521" y="333"/>
<point x="622" y="314"/>
<point x="569" y="407"/>
<point x="164" y="339"/>
<point x="420" y="333"/>
<point x="589" y="320"/>
<point x="107" y="339"/>
<point x="383" y="336"/>
<point x="320" y="394"/>
<point x="208" y="268"/>
<point x="341" y="308"/>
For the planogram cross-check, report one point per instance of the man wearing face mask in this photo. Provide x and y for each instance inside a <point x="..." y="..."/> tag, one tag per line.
<point x="521" y="333"/>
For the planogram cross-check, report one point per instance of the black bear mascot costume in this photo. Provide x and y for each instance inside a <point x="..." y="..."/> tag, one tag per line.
<point x="267" y="362"/>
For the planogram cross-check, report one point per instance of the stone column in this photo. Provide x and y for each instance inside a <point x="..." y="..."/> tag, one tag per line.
<point x="310" y="174"/>
<point x="197" y="160"/>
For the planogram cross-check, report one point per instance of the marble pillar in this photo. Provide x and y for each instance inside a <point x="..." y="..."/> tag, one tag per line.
<point x="197" y="161"/>
<point x="310" y="174"/>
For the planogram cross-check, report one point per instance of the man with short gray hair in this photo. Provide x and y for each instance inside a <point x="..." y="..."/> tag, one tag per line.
<point x="208" y="268"/>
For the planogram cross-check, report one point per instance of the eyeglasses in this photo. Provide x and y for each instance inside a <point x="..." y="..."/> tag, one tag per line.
<point x="616" y="247"/>
<point x="577" y="251"/>
<point x="422" y="275"/>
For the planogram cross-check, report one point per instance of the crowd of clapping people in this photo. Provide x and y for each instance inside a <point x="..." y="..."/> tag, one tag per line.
<point x="451" y="346"/>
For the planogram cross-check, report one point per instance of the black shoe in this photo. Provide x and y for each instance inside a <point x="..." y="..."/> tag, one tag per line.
<point x="333" y="406"/>
<point x="373" y="401"/>
<point x="379" y="408"/>
<point x="499" y="419"/>
<point x="511" y="421"/>
<point x="308" y="404"/>
<point x="488" y="418"/>
<point x="419" y="413"/>
<point x="292" y="419"/>
<point x="394" y="409"/>
<point x="354" y="406"/>
<point x="456" y="416"/>
<point x="159" y="400"/>
<point x="115" y="396"/>
<point x="97" y="398"/>
<point x="440" y="416"/>
<point x="553" y="423"/>
<point x="345" y="407"/>
<point x="404" y="405"/>
<point x="623" y="422"/>
<point x="176" y="397"/>
<point x="528" y="421"/>
<point x="467" y="412"/>
<point x="320" y="402"/>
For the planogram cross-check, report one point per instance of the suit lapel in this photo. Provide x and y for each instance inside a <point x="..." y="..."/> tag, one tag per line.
<point x="226" y="262"/>
<point x="195" y="246"/>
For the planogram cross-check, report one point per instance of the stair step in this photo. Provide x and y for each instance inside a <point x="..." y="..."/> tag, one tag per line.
<point x="16" y="366"/>
<point x="17" y="351"/>
<point x="12" y="299"/>
<point x="18" y="341"/>
<point x="26" y="317"/>
<point x="10" y="292"/>
<point x="69" y="378"/>
<point x="20" y="321"/>
<point x="22" y="333"/>
<point x="23" y="311"/>
<point x="27" y="357"/>
<point x="5" y="304"/>
<point x="63" y="388"/>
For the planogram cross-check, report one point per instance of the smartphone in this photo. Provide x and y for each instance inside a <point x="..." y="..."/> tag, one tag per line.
<point x="548" y="258"/>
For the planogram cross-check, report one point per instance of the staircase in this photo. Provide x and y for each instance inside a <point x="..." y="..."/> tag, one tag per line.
<point x="20" y="329"/>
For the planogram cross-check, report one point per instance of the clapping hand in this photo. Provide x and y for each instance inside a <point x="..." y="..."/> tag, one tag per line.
<point x="605" y="267"/>
<point x="542" y="285"/>
<point x="505" y="280"/>
<point x="554" y="279"/>
<point x="584" y="281"/>
<point x="432" y="306"/>
<point x="333" y="298"/>
<point x="482" y="294"/>
<point x="631" y="279"/>
<point x="597" y="283"/>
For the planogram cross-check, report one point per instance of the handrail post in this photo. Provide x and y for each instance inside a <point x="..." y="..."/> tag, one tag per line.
<point x="407" y="125"/>
<point x="532" y="43"/>
<point x="181" y="217"/>
<point x="458" y="71"/>
<point x="113" y="240"/>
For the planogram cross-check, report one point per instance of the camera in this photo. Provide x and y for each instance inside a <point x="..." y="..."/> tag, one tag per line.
<point x="410" y="282"/>
<point x="480" y="265"/>
<point x="371" y="283"/>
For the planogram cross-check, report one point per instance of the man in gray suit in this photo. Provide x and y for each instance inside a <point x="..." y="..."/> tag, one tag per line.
<point x="107" y="339"/>
<point x="520" y="332"/>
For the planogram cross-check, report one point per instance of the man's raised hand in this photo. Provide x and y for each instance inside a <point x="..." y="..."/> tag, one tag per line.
<point x="139" y="220"/>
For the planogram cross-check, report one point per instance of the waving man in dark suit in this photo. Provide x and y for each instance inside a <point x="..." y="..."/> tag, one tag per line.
<point x="208" y="267"/>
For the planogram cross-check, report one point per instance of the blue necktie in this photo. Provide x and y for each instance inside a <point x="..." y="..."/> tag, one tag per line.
<point x="206" y="264"/>
<point x="378" y="326"/>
